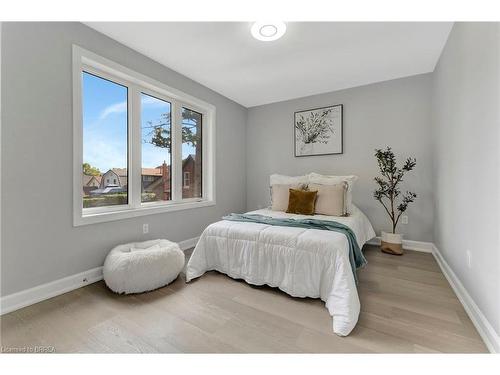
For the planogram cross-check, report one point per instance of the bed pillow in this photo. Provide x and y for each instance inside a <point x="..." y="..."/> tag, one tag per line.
<point x="316" y="178"/>
<point x="280" y="195"/>
<point x="279" y="179"/>
<point x="331" y="199"/>
<point x="301" y="202"/>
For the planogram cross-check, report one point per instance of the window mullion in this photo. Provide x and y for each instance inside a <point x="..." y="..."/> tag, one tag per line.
<point x="176" y="152"/>
<point x="134" y="156"/>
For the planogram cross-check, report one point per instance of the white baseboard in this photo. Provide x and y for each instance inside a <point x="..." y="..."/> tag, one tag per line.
<point x="425" y="247"/>
<point x="483" y="326"/>
<point x="55" y="288"/>
<point x="188" y="244"/>
<point x="42" y="292"/>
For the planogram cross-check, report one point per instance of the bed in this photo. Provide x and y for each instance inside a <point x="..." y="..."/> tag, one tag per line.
<point x="301" y="262"/>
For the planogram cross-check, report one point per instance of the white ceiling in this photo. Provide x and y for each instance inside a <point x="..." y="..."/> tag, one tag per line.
<point x="311" y="58"/>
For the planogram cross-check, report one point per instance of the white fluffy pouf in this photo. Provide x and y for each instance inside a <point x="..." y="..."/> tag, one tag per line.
<point x="142" y="266"/>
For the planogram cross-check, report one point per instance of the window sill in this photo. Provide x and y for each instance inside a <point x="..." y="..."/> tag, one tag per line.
<point x="145" y="209"/>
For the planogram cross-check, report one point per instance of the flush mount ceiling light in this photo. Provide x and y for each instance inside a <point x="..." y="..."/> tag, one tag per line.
<point x="268" y="31"/>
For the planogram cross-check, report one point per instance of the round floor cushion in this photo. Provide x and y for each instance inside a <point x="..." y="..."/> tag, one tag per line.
<point x="142" y="266"/>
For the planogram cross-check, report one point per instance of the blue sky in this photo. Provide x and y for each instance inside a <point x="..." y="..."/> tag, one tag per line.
<point x="105" y="126"/>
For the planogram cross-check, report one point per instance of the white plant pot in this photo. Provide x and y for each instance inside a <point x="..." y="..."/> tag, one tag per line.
<point x="392" y="237"/>
<point x="392" y="243"/>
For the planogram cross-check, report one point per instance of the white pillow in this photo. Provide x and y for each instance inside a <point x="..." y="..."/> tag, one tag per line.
<point x="349" y="178"/>
<point x="294" y="182"/>
<point x="331" y="199"/>
<point x="279" y="179"/>
<point x="320" y="179"/>
<point x="280" y="195"/>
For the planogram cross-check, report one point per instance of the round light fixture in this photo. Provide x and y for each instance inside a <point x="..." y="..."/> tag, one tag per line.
<point x="268" y="31"/>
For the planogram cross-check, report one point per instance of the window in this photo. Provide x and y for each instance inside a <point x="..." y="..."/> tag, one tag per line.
<point x="105" y="123"/>
<point x="148" y="147"/>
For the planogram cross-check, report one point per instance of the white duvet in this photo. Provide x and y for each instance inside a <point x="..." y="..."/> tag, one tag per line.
<point x="301" y="262"/>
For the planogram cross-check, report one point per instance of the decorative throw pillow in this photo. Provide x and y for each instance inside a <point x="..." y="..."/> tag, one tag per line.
<point x="331" y="199"/>
<point x="301" y="202"/>
<point x="316" y="178"/>
<point x="279" y="196"/>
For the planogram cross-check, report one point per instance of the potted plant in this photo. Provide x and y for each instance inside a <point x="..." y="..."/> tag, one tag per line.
<point x="389" y="194"/>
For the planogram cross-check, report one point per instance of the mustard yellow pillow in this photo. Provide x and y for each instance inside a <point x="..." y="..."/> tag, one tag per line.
<point x="301" y="202"/>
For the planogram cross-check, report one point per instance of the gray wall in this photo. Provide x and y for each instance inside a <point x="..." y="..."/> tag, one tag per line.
<point x="393" y="113"/>
<point x="466" y="160"/>
<point x="39" y="243"/>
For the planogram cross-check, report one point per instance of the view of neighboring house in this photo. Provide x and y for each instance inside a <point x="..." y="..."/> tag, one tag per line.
<point x="155" y="182"/>
<point x="90" y="183"/>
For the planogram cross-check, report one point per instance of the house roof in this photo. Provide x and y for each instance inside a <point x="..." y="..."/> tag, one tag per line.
<point x="87" y="179"/>
<point x="152" y="171"/>
<point x="122" y="172"/>
<point x="190" y="156"/>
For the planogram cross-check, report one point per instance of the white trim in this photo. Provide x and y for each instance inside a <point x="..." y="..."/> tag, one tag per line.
<point x="42" y="292"/>
<point x="188" y="244"/>
<point x="145" y="209"/>
<point x="134" y="166"/>
<point x="425" y="247"/>
<point x="176" y="170"/>
<point x="137" y="83"/>
<point x="55" y="288"/>
<point x="77" y="137"/>
<point x="483" y="326"/>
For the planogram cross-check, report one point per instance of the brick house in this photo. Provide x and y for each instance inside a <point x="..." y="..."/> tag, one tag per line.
<point x="190" y="189"/>
<point x="161" y="186"/>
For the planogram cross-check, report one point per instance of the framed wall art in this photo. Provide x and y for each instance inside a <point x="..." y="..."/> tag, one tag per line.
<point x="318" y="131"/>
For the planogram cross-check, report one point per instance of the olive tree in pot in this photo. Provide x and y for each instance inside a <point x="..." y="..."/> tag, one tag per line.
<point x="389" y="194"/>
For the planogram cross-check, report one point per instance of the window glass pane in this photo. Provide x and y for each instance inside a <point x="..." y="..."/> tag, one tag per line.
<point x="191" y="153"/>
<point x="105" y="139"/>
<point x="156" y="154"/>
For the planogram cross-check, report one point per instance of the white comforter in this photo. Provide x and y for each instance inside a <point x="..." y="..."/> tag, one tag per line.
<point x="301" y="262"/>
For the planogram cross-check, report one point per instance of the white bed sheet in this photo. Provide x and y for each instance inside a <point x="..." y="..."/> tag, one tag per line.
<point x="301" y="262"/>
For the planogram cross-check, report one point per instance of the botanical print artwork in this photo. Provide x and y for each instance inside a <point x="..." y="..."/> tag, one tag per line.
<point x="318" y="131"/>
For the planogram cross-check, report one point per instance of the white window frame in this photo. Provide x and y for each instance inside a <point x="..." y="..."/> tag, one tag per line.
<point x="136" y="83"/>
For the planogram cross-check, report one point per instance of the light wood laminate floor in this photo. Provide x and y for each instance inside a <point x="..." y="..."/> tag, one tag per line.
<point x="407" y="306"/>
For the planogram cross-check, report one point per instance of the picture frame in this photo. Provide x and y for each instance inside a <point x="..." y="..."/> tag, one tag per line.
<point x="319" y="131"/>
